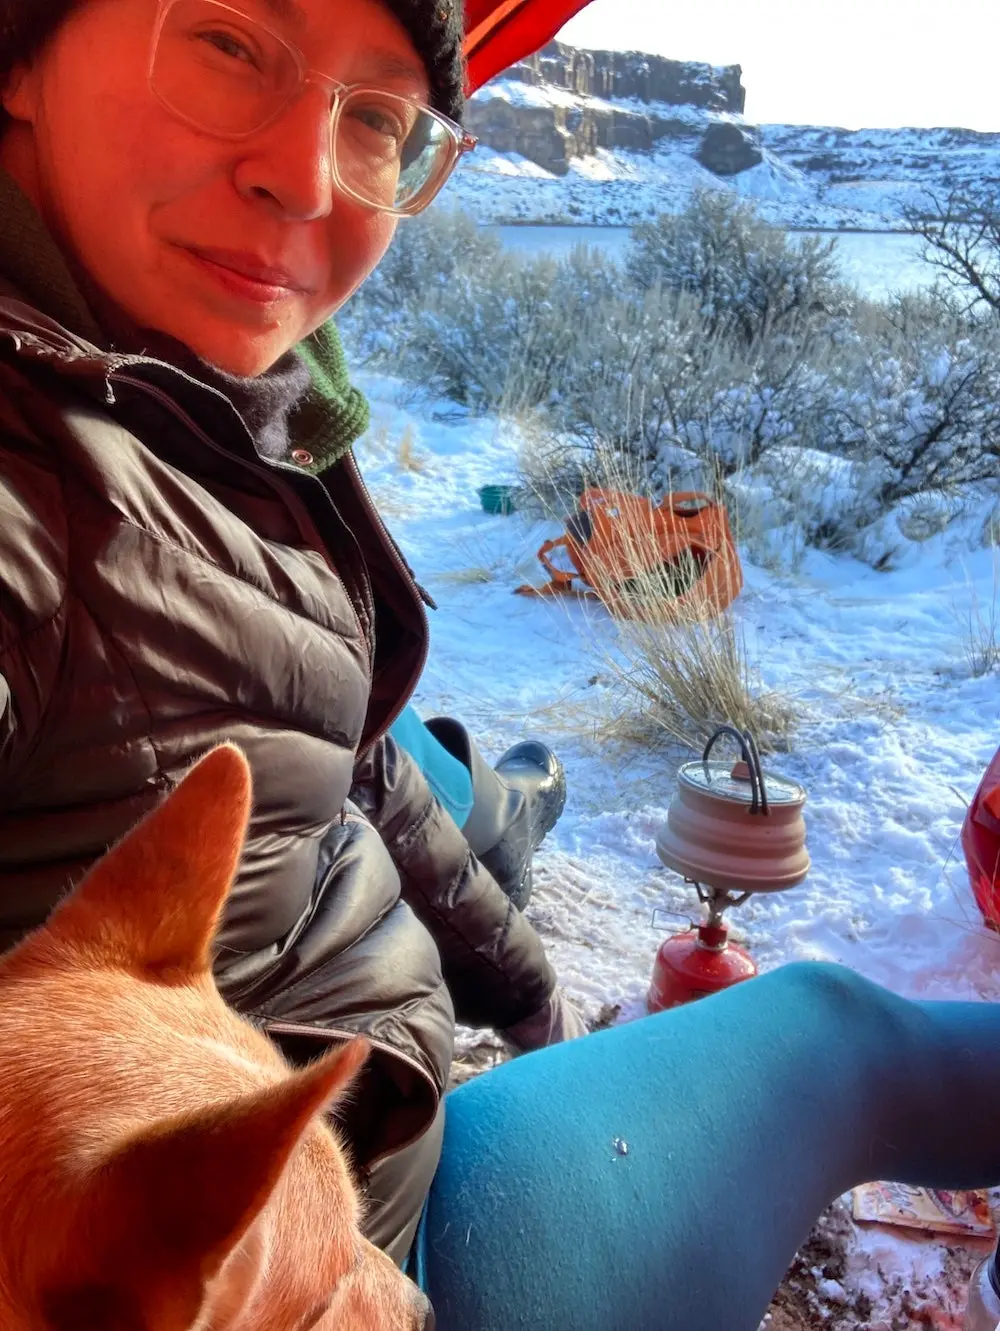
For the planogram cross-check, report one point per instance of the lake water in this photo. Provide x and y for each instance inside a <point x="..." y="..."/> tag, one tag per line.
<point x="876" y="262"/>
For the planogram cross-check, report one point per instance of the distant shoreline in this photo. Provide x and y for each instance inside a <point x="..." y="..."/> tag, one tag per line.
<point x="805" y="230"/>
<point x="850" y="230"/>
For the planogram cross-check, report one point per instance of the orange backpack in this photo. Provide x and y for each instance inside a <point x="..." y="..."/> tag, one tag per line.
<point x="645" y="560"/>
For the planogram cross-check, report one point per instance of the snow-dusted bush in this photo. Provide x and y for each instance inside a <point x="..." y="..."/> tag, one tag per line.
<point x="759" y="399"/>
<point x="725" y="357"/>
<point x="748" y="279"/>
<point x="642" y="367"/>
<point x="649" y="380"/>
<point x="795" y="497"/>
<point x="454" y="311"/>
<point x="427" y="254"/>
<point x="919" y="405"/>
<point x="514" y="337"/>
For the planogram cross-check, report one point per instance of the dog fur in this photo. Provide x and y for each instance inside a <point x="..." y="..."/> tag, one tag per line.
<point x="161" y="1167"/>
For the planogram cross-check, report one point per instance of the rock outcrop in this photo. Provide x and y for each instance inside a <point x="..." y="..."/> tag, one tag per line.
<point x="553" y="134"/>
<point x="664" y="128"/>
<point x="619" y="75"/>
<point x="727" y="148"/>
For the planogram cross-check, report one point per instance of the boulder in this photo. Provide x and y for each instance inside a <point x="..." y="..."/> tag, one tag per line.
<point x="727" y="149"/>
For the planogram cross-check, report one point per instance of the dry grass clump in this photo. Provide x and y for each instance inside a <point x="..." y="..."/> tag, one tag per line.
<point x="982" y="645"/>
<point x="678" y="667"/>
<point x="479" y="575"/>
<point x="981" y="637"/>
<point x="407" y="458"/>
<point x="680" y="681"/>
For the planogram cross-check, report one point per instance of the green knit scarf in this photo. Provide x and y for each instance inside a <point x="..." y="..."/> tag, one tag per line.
<point x="333" y="414"/>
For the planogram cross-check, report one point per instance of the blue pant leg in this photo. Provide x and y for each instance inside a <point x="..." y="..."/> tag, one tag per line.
<point x="448" y="778"/>
<point x="660" y="1176"/>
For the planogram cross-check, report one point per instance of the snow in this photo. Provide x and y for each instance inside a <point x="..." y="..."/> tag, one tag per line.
<point x="894" y="737"/>
<point x="517" y="93"/>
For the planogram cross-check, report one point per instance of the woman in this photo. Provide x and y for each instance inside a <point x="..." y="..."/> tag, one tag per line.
<point x="187" y="554"/>
<point x="187" y="551"/>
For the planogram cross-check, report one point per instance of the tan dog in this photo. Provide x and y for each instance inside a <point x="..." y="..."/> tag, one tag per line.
<point x="161" y="1168"/>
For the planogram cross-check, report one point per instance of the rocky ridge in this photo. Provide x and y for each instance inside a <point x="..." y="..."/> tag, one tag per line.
<point x="610" y="138"/>
<point x="613" y="100"/>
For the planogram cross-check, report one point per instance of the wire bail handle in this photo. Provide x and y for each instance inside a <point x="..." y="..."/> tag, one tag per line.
<point x="751" y="756"/>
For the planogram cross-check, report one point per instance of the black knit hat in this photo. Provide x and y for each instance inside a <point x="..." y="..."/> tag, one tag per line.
<point x="436" y="30"/>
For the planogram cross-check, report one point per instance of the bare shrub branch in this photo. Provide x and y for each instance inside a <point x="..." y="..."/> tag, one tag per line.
<point x="962" y="233"/>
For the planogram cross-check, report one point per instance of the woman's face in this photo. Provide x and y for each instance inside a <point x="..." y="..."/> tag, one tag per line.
<point x="162" y="216"/>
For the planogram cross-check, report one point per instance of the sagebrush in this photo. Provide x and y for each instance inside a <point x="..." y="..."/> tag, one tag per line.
<point x="720" y="352"/>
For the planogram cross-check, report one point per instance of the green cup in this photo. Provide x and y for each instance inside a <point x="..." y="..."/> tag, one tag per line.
<point x="498" y="499"/>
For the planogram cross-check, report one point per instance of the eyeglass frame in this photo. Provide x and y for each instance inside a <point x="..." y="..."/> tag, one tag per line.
<point x="460" y="139"/>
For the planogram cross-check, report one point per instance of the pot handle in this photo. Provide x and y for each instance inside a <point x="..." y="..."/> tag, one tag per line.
<point x="751" y="756"/>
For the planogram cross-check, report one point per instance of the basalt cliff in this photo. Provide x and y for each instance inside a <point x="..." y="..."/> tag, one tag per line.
<point x="613" y="137"/>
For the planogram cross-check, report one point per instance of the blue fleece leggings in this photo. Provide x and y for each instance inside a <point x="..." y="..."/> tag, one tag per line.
<point x="449" y="779"/>
<point x="659" y="1176"/>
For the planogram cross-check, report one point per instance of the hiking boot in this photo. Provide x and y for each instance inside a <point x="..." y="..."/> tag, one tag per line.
<point x="514" y="804"/>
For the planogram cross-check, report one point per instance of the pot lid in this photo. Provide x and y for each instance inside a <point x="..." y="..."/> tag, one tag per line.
<point x="726" y="782"/>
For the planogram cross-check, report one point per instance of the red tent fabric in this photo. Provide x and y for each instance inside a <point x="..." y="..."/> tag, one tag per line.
<point x="499" y="33"/>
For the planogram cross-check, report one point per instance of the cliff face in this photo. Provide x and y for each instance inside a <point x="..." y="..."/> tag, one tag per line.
<point x="618" y="75"/>
<point x="551" y="132"/>
<point x="664" y="128"/>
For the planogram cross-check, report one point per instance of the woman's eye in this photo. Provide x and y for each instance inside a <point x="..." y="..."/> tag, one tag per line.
<point x="381" y="121"/>
<point x="229" y="45"/>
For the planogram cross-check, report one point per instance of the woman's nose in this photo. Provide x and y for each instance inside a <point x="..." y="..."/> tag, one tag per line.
<point x="290" y="162"/>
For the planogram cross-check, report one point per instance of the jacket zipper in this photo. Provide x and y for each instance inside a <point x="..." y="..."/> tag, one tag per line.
<point x="403" y="568"/>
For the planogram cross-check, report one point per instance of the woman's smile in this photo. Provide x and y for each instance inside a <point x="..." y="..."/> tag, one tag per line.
<point x="246" y="275"/>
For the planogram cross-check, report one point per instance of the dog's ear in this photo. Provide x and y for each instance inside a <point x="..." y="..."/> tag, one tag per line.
<point x="172" y="1203"/>
<point x="152" y="904"/>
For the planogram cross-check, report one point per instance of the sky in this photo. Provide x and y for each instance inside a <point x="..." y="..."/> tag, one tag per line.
<point x="855" y="63"/>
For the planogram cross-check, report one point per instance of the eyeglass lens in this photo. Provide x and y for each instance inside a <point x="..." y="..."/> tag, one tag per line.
<point x="223" y="72"/>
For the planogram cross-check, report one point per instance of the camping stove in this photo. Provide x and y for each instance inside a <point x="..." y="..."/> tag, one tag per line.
<point x="731" y="831"/>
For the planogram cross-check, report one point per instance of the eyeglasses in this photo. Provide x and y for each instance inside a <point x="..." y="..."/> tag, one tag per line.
<point x="223" y="72"/>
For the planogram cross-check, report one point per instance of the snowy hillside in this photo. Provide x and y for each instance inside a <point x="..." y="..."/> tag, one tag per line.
<point x="808" y="176"/>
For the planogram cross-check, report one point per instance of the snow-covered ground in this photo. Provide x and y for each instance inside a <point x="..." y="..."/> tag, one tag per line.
<point x="895" y="735"/>
<point x="811" y="176"/>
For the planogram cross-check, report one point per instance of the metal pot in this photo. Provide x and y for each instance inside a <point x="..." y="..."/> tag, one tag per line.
<point x="735" y="829"/>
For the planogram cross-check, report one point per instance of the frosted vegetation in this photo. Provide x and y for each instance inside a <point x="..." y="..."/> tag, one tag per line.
<point x="722" y="354"/>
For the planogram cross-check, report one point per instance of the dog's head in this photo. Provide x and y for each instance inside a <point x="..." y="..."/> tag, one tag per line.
<point x="161" y="1167"/>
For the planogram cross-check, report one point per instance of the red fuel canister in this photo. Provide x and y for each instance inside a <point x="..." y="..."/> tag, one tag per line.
<point x="694" y="964"/>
